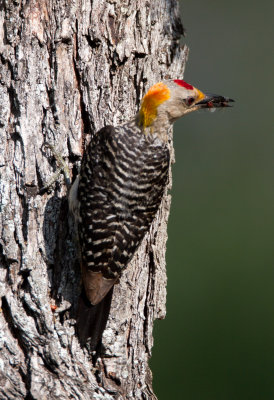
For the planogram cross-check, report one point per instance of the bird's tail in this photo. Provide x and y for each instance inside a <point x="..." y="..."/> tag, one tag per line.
<point x="92" y="319"/>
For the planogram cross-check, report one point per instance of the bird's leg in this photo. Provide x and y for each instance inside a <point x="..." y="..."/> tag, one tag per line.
<point x="62" y="169"/>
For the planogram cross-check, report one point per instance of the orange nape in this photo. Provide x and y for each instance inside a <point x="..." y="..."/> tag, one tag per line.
<point x="155" y="96"/>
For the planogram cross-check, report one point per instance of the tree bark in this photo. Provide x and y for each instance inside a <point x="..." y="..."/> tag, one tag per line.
<point x="66" y="70"/>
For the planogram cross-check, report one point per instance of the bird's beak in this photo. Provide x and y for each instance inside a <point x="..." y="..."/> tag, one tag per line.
<point x="213" y="101"/>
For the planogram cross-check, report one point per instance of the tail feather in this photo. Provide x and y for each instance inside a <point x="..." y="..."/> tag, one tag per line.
<point x="92" y="319"/>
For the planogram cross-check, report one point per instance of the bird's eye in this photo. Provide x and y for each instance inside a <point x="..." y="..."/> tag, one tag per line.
<point x="190" y="101"/>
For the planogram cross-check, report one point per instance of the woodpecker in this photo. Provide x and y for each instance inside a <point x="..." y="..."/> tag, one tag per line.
<point x="122" y="180"/>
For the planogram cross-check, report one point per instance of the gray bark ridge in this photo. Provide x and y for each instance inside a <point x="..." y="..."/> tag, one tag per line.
<point x="66" y="70"/>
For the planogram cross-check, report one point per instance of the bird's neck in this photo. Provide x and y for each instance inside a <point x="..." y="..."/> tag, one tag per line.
<point x="159" y="127"/>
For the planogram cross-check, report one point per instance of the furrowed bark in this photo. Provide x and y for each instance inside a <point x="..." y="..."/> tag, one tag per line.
<point x="66" y="70"/>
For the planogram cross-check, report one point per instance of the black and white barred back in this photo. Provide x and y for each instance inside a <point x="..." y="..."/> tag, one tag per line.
<point x="122" y="182"/>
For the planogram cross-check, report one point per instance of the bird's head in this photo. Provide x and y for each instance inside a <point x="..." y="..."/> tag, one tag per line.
<point x="167" y="101"/>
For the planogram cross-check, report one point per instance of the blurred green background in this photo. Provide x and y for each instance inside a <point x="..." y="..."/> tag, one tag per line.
<point x="217" y="341"/>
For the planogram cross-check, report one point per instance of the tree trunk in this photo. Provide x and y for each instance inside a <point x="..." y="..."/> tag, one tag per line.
<point x="66" y="70"/>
